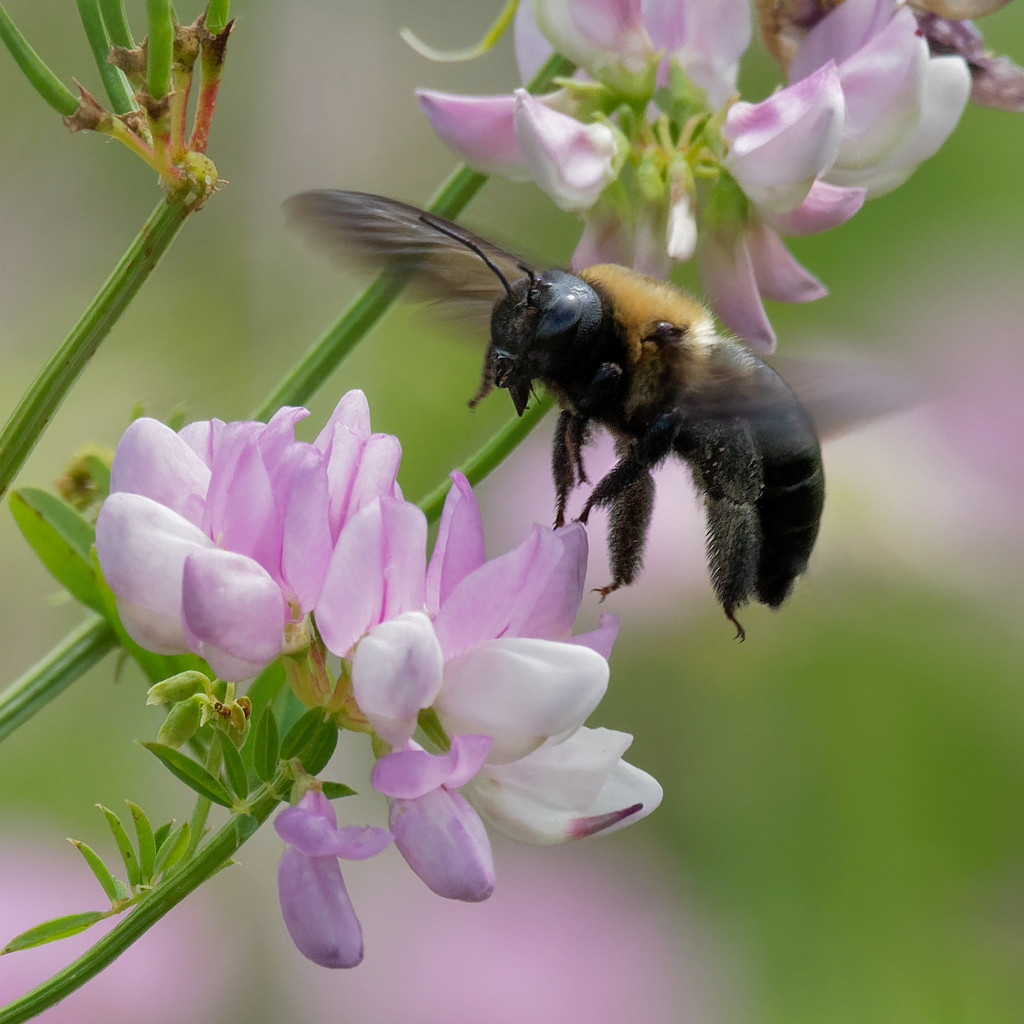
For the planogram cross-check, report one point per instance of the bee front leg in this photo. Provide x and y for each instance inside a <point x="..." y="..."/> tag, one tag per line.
<point x="567" y="459"/>
<point x="629" y="492"/>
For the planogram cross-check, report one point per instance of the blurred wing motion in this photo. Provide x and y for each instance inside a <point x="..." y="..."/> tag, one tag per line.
<point x="443" y="260"/>
<point x="846" y="391"/>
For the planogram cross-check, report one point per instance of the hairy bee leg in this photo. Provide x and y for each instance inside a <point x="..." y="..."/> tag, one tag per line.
<point x="567" y="459"/>
<point x="629" y="492"/>
<point x="727" y="468"/>
<point x="486" y="378"/>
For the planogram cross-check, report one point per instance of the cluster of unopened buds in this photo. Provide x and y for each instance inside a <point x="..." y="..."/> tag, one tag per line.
<point x="227" y="539"/>
<point x="651" y="144"/>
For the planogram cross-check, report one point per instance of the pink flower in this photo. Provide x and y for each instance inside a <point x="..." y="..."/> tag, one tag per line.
<point x="214" y="539"/>
<point x="901" y="103"/>
<point x="435" y="828"/>
<point x="493" y="656"/>
<point x="521" y="137"/>
<point x="314" y="901"/>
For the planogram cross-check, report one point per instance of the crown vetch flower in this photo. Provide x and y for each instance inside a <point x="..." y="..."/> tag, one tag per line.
<point x="901" y="102"/>
<point x="493" y="656"/>
<point x="566" y="789"/>
<point x="216" y="538"/>
<point x="667" y="166"/>
<point x="435" y="828"/>
<point x="315" y="904"/>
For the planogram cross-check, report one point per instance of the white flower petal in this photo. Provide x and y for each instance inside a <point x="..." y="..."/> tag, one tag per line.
<point x="520" y="691"/>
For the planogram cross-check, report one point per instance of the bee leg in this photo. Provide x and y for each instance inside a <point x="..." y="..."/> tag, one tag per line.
<point x="727" y="468"/>
<point x="629" y="491"/>
<point x="567" y="459"/>
<point x="486" y="378"/>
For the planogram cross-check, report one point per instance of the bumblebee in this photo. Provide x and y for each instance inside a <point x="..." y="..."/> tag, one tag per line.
<point x="634" y="355"/>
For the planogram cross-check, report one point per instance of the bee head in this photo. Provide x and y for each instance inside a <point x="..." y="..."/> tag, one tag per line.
<point x="535" y="327"/>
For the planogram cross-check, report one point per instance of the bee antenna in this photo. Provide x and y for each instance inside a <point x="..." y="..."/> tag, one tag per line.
<point x="528" y="272"/>
<point x="473" y="247"/>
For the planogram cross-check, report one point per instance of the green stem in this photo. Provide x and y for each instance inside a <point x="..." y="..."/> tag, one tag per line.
<point x="361" y="315"/>
<point x="76" y="653"/>
<point x="325" y="355"/>
<point x="114" y="80"/>
<point x="217" y="15"/>
<point x="40" y="77"/>
<point x="160" y="48"/>
<point x="201" y="811"/>
<point x="180" y="881"/>
<point x="116" y="22"/>
<point x="48" y="390"/>
<point x="490" y="455"/>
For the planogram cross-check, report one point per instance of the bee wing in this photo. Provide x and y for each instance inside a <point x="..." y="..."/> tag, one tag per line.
<point x="442" y="260"/>
<point x="844" y="391"/>
<point x="833" y="394"/>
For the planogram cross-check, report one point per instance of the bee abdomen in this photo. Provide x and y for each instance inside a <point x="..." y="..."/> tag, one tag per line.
<point x="789" y="510"/>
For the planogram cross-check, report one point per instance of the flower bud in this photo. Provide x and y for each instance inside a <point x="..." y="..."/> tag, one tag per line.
<point x="182" y="721"/>
<point x="178" y="688"/>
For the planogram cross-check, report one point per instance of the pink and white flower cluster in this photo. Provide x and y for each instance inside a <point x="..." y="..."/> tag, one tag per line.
<point x="650" y="144"/>
<point x="222" y="538"/>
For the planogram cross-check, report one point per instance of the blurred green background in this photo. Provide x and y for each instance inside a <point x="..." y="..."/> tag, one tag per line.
<point x="842" y="836"/>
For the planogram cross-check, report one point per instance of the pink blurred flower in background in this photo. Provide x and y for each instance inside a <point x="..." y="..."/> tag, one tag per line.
<point x="567" y="936"/>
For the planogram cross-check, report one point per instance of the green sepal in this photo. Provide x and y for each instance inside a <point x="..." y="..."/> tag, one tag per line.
<point x="146" y="841"/>
<point x="299" y="735"/>
<point x="318" y="751"/>
<point x="234" y="767"/>
<point x="170" y="851"/>
<point x="57" y="928"/>
<point x="124" y="846"/>
<point x="98" y="868"/>
<point x="61" y="539"/>
<point x="193" y="774"/>
<point x="266" y="746"/>
<point x="336" y="790"/>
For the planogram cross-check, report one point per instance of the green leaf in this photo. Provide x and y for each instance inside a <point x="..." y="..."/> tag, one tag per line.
<point x="266" y="746"/>
<point x="162" y="833"/>
<point x="98" y="868"/>
<point x="61" y="539"/>
<point x="266" y="686"/>
<point x="193" y="774"/>
<point x="170" y="850"/>
<point x="58" y="928"/>
<point x="146" y="840"/>
<point x="234" y="767"/>
<point x="318" y="751"/>
<point x="336" y="790"/>
<point x="301" y="732"/>
<point x="124" y="846"/>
